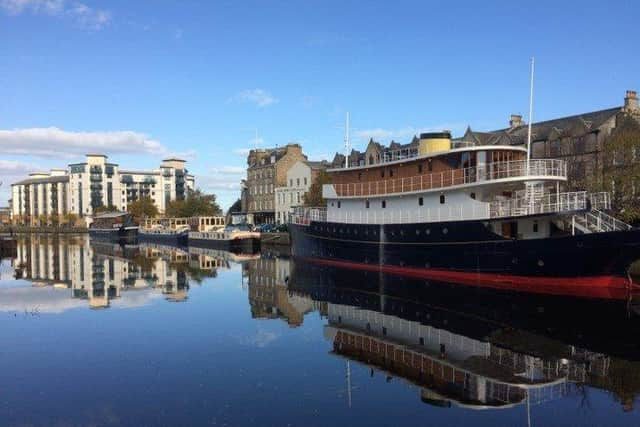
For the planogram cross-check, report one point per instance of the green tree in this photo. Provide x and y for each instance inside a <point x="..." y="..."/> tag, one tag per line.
<point x="104" y="208"/>
<point x="70" y="219"/>
<point x="621" y="169"/>
<point x="196" y="203"/>
<point x="143" y="208"/>
<point x="313" y="197"/>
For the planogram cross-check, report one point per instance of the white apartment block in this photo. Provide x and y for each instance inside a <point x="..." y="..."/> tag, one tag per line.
<point x="83" y="187"/>
<point x="299" y="178"/>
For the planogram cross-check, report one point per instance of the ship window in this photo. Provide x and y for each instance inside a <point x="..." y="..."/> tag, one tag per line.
<point x="445" y="230"/>
<point x="420" y="168"/>
<point x="427" y="231"/>
<point x="442" y="199"/>
<point x="473" y="196"/>
<point x="359" y="176"/>
<point x="420" y="201"/>
<point x="535" y="226"/>
<point x="384" y="204"/>
<point x="368" y="326"/>
<point x="382" y="173"/>
<point x="338" y="205"/>
<point x="430" y="165"/>
<point x="390" y="172"/>
<point x="384" y="330"/>
<point x="366" y="204"/>
<point x="421" y="341"/>
<point x="417" y="231"/>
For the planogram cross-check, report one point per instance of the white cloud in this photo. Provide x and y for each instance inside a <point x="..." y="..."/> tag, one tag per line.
<point x="55" y="142"/>
<point x="82" y="15"/>
<point x="229" y="170"/>
<point x="259" y="97"/>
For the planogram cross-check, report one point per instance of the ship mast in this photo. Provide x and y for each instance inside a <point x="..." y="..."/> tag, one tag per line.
<point x="530" y="114"/>
<point x="347" y="142"/>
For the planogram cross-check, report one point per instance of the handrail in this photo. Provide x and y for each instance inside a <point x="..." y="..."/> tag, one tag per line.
<point x="492" y="171"/>
<point x="517" y="207"/>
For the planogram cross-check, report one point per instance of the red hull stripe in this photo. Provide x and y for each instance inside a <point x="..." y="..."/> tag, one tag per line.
<point x="605" y="287"/>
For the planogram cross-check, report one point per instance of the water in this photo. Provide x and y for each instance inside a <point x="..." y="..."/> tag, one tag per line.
<point x="143" y="336"/>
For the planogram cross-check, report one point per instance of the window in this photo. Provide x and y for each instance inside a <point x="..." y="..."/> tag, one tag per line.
<point x="305" y="180"/>
<point x="384" y="204"/>
<point x="420" y="168"/>
<point x="420" y="201"/>
<point x="382" y="173"/>
<point x="366" y="204"/>
<point x="291" y="182"/>
<point x="535" y="226"/>
<point x="442" y="199"/>
<point x="390" y="172"/>
<point x="338" y="205"/>
<point x="359" y="176"/>
<point x="430" y="166"/>
<point x="298" y="182"/>
<point x="473" y="196"/>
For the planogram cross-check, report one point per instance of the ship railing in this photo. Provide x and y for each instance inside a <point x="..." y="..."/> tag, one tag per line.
<point x="516" y="207"/>
<point x="601" y="200"/>
<point x="548" y="203"/>
<point x="539" y="168"/>
<point x="305" y="215"/>
<point x="599" y="221"/>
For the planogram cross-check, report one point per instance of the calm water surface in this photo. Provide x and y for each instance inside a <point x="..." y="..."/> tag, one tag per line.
<point x="97" y="334"/>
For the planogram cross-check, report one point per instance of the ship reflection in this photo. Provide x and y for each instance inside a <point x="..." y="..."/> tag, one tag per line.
<point x="100" y="272"/>
<point x="481" y="350"/>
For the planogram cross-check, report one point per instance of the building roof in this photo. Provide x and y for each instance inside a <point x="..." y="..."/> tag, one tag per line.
<point x="174" y="159"/>
<point x="47" y="179"/>
<point x="544" y="130"/>
<point x="111" y="214"/>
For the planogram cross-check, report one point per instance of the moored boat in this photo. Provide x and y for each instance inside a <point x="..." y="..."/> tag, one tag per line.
<point x="114" y="227"/>
<point x="232" y="238"/>
<point x="481" y="215"/>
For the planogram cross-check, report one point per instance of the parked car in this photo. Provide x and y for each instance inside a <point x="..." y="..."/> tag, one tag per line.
<point x="281" y="228"/>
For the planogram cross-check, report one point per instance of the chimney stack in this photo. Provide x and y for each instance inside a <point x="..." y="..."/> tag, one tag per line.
<point x="515" y="121"/>
<point x="631" y="101"/>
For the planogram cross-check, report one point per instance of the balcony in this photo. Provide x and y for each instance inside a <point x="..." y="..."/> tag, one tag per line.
<point x="95" y="187"/>
<point x="547" y="169"/>
<point x="127" y="179"/>
<point x="94" y="177"/>
<point x="95" y="169"/>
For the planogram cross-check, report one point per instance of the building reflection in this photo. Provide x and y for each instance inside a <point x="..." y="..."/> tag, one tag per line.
<point x="460" y="357"/>
<point x="269" y="296"/>
<point x="100" y="272"/>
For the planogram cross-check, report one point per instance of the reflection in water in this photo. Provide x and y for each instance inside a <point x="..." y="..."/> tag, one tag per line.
<point x="458" y="348"/>
<point x="101" y="272"/>
<point x="435" y="339"/>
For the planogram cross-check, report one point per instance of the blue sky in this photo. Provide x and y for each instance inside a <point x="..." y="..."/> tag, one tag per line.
<point x="140" y="80"/>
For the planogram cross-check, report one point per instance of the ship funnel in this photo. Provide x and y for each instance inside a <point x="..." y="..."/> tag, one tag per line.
<point x="433" y="142"/>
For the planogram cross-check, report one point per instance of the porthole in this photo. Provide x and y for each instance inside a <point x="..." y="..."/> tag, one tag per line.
<point x="540" y="263"/>
<point x="402" y="232"/>
<point x="417" y="231"/>
<point x="445" y="230"/>
<point x="355" y="231"/>
<point x="427" y="264"/>
<point x="427" y="231"/>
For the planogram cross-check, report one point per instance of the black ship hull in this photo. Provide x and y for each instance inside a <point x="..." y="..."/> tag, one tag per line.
<point x="116" y="235"/>
<point x="470" y="253"/>
<point x="246" y="246"/>
<point x="171" y="239"/>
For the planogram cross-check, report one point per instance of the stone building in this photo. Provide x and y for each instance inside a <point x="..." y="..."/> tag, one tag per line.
<point x="578" y="139"/>
<point x="83" y="187"/>
<point x="299" y="178"/>
<point x="266" y="170"/>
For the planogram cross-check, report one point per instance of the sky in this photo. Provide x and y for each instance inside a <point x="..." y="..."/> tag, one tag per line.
<point x="144" y="80"/>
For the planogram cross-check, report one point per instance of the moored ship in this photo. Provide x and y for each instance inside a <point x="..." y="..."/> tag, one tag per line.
<point x="479" y="215"/>
<point x="115" y="227"/>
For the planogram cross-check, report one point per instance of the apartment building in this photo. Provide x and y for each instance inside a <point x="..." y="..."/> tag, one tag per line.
<point x="83" y="187"/>
<point x="299" y="178"/>
<point x="267" y="169"/>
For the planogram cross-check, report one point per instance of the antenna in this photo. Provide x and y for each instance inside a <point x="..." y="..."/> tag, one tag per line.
<point x="530" y="114"/>
<point x="347" y="142"/>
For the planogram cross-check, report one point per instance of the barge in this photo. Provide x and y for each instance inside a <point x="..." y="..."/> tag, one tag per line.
<point x="114" y="227"/>
<point x="232" y="238"/>
<point x="470" y="214"/>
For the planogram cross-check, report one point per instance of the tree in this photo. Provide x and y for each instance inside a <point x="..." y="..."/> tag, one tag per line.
<point x="70" y="219"/>
<point x="195" y="204"/>
<point x="235" y="207"/>
<point x="621" y="169"/>
<point x="104" y="208"/>
<point x="313" y="197"/>
<point x="143" y="208"/>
